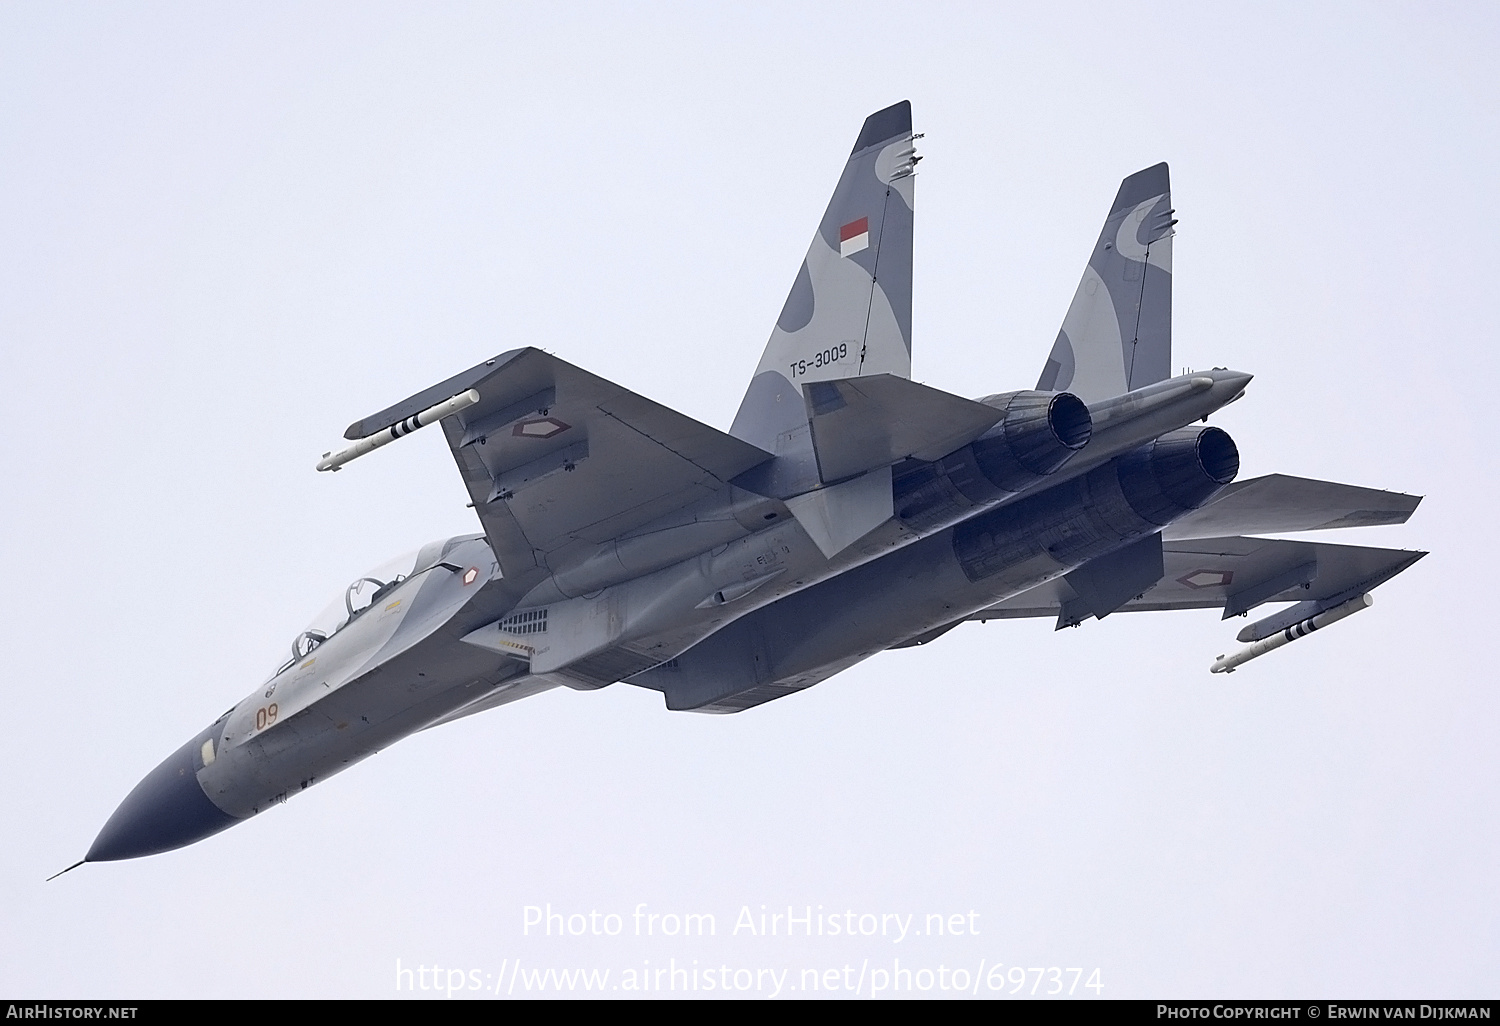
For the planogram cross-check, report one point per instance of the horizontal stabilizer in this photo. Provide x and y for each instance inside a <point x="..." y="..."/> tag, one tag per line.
<point x="1214" y="573"/>
<point x="1278" y="503"/>
<point x="862" y="423"/>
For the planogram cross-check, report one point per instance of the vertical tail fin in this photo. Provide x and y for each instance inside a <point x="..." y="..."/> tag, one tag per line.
<point x="849" y="311"/>
<point x="1117" y="335"/>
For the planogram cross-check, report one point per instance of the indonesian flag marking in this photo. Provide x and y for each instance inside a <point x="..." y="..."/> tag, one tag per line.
<point x="854" y="237"/>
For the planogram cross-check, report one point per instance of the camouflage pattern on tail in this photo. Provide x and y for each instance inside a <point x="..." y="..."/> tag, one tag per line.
<point x="849" y="311"/>
<point x="1117" y="335"/>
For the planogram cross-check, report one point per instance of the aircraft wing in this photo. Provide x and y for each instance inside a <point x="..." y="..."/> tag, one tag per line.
<point x="1235" y="574"/>
<point x="556" y="458"/>
<point x="1279" y="504"/>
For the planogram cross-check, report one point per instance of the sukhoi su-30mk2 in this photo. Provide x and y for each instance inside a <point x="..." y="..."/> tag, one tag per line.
<point x="847" y="510"/>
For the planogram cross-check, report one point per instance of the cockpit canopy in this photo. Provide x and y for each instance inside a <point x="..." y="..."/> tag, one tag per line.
<point x="364" y="591"/>
<point x="359" y="595"/>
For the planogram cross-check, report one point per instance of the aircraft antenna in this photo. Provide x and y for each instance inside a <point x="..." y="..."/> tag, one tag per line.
<point x="75" y="865"/>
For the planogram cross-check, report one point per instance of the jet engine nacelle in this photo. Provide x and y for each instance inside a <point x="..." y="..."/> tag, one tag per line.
<point x="1038" y="433"/>
<point x="1178" y="472"/>
<point x="810" y="635"/>
<point x="1131" y="496"/>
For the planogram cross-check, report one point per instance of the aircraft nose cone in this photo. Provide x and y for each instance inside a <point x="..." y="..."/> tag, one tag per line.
<point x="166" y="810"/>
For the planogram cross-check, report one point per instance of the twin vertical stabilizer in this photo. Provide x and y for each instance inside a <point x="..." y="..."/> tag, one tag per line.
<point x="849" y="311"/>
<point x="1117" y="334"/>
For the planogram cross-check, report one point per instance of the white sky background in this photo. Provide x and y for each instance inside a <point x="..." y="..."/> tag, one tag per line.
<point x="228" y="231"/>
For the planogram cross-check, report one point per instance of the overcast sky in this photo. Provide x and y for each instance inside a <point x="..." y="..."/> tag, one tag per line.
<point x="228" y="230"/>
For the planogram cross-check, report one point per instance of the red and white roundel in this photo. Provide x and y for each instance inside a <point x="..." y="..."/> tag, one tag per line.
<point x="471" y="575"/>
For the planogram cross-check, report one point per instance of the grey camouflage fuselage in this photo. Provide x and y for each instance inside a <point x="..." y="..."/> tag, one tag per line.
<point x="847" y="511"/>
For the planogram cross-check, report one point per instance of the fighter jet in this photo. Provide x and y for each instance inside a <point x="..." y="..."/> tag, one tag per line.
<point x="848" y="510"/>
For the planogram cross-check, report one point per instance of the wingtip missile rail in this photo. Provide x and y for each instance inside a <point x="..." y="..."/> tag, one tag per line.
<point x="1227" y="664"/>
<point x="462" y="401"/>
